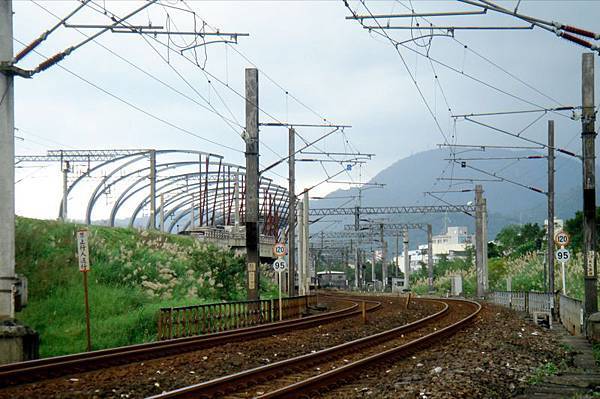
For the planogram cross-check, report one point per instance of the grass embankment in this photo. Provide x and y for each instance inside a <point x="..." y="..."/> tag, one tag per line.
<point x="526" y="273"/>
<point x="133" y="274"/>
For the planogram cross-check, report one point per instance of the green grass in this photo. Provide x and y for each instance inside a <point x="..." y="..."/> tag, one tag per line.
<point x="543" y="371"/>
<point x="596" y="351"/>
<point x="125" y="265"/>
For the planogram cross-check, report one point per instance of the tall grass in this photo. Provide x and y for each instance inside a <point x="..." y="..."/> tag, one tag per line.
<point x="133" y="274"/>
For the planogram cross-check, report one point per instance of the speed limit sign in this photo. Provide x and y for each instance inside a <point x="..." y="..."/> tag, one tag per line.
<point x="279" y="250"/>
<point x="562" y="239"/>
<point x="279" y="265"/>
<point x="563" y="255"/>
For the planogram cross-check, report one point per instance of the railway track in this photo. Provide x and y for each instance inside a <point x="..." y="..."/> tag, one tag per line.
<point x="36" y="370"/>
<point x="313" y="373"/>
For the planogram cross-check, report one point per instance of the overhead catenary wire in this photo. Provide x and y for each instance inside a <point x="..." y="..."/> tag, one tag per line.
<point x="494" y="174"/>
<point x="137" y="108"/>
<point x="209" y="106"/>
<point x="207" y="73"/>
<point x="560" y="150"/>
<point x="470" y="49"/>
<point x="462" y="73"/>
<point x="140" y="69"/>
<point x="286" y="91"/>
<point x="410" y="73"/>
<point x="210" y="109"/>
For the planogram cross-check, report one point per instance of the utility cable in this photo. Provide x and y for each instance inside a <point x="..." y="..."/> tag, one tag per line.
<point x="478" y="54"/>
<point x="392" y="41"/>
<point x="137" y="108"/>
<point x="137" y="67"/>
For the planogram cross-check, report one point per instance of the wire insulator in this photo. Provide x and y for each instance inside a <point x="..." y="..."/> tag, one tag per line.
<point x="50" y="61"/>
<point x="29" y="48"/>
<point x="537" y="190"/>
<point x="567" y="152"/>
<point x="581" y="32"/>
<point x="576" y="39"/>
<point x="53" y="60"/>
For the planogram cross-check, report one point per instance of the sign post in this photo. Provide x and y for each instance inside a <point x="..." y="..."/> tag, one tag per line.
<point x="280" y="266"/>
<point x="563" y="255"/>
<point x="83" y="254"/>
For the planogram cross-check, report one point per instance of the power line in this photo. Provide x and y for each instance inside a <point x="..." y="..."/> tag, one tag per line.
<point x="137" y="108"/>
<point x="207" y="75"/>
<point x="145" y="72"/>
<point x="393" y="42"/>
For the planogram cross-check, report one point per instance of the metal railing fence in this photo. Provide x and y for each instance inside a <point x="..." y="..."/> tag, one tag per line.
<point x="569" y="310"/>
<point x="186" y="321"/>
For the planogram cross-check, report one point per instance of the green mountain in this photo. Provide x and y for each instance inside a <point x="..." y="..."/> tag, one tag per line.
<point x="407" y="179"/>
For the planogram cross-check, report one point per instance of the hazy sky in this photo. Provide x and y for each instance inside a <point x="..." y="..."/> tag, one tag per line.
<point x="330" y="67"/>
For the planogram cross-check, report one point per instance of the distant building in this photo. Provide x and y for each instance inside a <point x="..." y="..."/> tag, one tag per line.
<point x="453" y="245"/>
<point x="332" y="278"/>
<point x="559" y="224"/>
<point x="456" y="240"/>
<point x="416" y="258"/>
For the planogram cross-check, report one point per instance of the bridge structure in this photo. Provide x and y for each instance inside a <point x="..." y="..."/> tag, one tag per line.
<point x="174" y="191"/>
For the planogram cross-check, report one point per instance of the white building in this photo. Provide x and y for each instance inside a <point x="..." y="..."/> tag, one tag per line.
<point x="416" y="258"/>
<point x="453" y="245"/>
<point x="559" y="224"/>
<point x="455" y="241"/>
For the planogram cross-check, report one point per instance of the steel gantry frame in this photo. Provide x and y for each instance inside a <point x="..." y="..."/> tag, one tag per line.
<point x="382" y="210"/>
<point x="477" y="210"/>
<point x="202" y="191"/>
<point x="388" y="229"/>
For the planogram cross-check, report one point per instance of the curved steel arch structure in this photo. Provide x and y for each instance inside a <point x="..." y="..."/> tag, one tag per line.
<point x="186" y="182"/>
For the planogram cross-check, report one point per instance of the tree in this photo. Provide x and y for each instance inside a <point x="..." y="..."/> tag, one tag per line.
<point x="516" y="240"/>
<point x="574" y="227"/>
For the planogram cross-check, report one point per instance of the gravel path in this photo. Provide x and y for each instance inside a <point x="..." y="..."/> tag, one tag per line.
<point x="494" y="357"/>
<point x="152" y="377"/>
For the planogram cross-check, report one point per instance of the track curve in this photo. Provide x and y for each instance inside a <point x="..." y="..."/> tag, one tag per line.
<point x="36" y="370"/>
<point x="298" y="376"/>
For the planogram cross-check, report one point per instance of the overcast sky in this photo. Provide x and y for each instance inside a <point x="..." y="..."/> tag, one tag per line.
<point x="330" y="67"/>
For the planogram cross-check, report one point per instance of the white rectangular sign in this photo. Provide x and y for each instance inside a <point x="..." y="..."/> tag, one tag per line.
<point x="83" y="252"/>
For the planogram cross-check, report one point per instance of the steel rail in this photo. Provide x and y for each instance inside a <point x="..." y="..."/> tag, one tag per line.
<point x="35" y="370"/>
<point x="228" y="385"/>
<point x="342" y="375"/>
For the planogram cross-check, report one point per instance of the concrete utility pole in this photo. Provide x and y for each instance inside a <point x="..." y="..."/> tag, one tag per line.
<point x="292" y="214"/>
<point x="406" y="285"/>
<point x="236" y="200"/>
<point x="252" y="154"/>
<point x="550" y="236"/>
<point x="65" y="172"/>
<point x="588" y="137"/>
<point x="373" y="267"/>
<point x="7" y="165"/>
<point x="430" y="257"/>
<point x="347" y="262"/>
<point x="305" y="237"/>
<point x="357" y="270"/>
<point x="484" y="240"/>
<point x="301" y="248"/>
<point x="479" y="243"/>
<point x="383" y="258"/>
<point x="396" y="264"/>
<point x="152" y="189"/>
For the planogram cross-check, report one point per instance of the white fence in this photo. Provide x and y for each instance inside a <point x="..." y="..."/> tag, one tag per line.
<point x="571" y="314"/>
<point x="570" y="310"/>
<point x="523" y="301"/>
